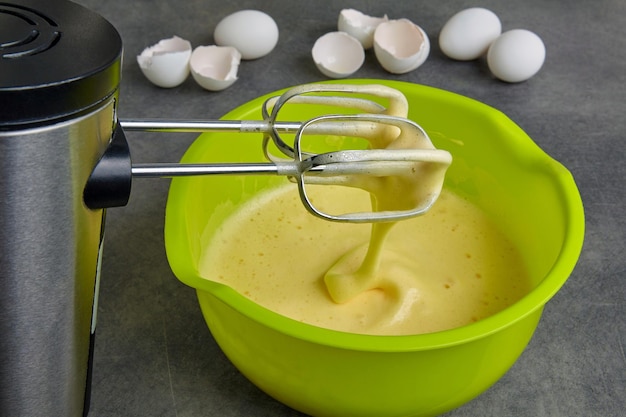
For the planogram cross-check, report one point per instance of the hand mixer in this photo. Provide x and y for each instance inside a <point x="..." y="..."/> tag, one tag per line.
<point x="65" y="159"/>
<point x="397" y="148"/>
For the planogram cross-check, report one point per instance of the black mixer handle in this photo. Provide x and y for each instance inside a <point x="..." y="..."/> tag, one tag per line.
<point x="110" y="181"/>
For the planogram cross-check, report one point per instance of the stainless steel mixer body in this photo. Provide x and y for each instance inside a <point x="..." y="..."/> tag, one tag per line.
<point x="60" y="66"/>
<point x="50" y="245"/>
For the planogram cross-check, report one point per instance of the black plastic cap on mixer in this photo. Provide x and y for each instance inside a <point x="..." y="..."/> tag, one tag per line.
<point x="57" y="61"/>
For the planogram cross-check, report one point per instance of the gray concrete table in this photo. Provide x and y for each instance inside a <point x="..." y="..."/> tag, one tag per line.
<point x="154" y="354"/>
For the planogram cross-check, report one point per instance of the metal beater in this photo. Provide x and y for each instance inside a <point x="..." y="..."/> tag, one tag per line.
<point x="397" y="145"/>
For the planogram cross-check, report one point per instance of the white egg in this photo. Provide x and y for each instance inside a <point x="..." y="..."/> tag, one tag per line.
<point x="215" y="67"/>
<point x="516" y="55"/>
<point x="468" y="34"/>
<point x="337" y="54"/>
<point x="166" y="64"/>
<point x="253" y="32"/>
<point x="400" y="46"/>
<point x="359" y="25"/>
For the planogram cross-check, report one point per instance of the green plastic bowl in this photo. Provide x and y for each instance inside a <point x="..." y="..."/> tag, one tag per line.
<point x="321" y="372"/>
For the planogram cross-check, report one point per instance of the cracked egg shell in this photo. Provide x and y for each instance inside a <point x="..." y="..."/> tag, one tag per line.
<point x="214" y="67"/>
<point x="166" y="64"/>
<point x="400" y="46"/>
<point x="337" y="54"/>
<point x="359" y="25"/>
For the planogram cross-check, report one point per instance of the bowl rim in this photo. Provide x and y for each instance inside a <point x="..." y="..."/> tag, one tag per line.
<point x="178" y="250"/>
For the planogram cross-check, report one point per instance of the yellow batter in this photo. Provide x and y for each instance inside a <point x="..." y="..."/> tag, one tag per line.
<point x="442" y="270"/>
